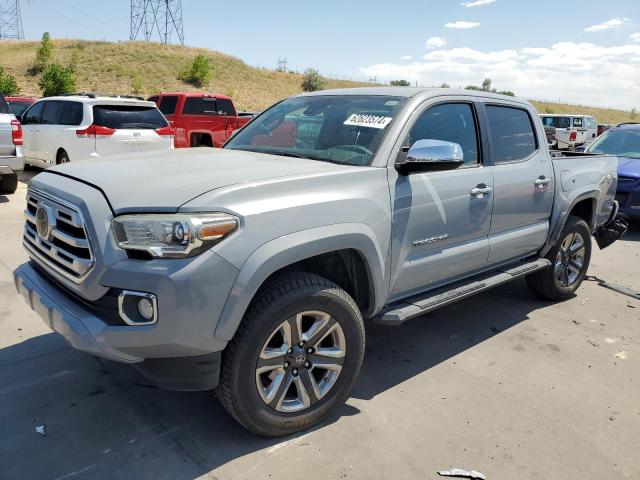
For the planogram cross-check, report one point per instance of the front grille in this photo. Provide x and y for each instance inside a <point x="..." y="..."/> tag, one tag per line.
<point x="61" y="243"/>
<point x="635" y="200"/>
<point x="625" y="180"/>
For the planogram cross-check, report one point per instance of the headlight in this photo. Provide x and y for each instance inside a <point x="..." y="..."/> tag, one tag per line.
<point x="173" y="236"/>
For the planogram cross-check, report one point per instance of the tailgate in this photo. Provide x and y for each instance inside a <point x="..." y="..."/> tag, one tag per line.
<point x="130" y="141"/>
<point x="7" y="148"/>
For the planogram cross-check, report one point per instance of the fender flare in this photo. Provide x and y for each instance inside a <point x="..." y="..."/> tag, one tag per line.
<point x="555" y="232"/>
<point x="289" y="249"/>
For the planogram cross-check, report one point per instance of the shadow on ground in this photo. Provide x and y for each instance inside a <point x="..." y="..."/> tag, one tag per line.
<point x="102" y="422"/>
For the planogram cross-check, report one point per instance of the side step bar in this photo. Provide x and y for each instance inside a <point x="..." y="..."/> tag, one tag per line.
<point x="399" y="312"/>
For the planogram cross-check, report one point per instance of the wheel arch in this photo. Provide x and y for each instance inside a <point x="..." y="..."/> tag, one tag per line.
<point x="345" y="254"/>
<point x="584" y="206"/>
<point x="59" y="152"/>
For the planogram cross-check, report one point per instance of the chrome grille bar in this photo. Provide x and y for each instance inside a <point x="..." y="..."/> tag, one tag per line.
<point x="65" y="247"/>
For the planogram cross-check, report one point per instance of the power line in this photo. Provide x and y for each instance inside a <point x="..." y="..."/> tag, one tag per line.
<point x="156" y="19"/>
<point x="10" y="20"/>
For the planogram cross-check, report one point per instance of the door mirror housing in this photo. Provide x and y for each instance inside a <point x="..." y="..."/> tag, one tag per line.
<point x="431" y="155"/>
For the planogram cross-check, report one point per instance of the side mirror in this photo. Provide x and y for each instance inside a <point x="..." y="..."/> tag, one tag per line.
<point x="431" y="155"/>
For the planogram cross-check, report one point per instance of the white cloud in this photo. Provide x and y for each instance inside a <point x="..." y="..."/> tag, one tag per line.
<point x="477" y="3"/>
<point x="608" y="25"/>
<point x="435" y="42"/>
<point x="635" y="37"/>
<point x="461" y="25"/>
<point x="406" y="57"/>
<point x="582" y="73"/>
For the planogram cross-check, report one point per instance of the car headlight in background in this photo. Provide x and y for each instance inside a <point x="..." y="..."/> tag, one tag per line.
<point x="173" y="235"/>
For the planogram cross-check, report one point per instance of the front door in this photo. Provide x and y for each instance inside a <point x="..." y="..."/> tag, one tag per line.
<point x="441" y="220"/>
<point x="31" y="134"/>
<point x="523" y="183"/>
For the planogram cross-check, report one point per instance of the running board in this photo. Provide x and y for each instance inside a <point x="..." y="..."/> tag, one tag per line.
<point x="399" y="312"/>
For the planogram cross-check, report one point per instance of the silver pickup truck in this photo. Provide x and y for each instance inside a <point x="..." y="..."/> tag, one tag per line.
<point x="11" y="159"/>
<point x="254" y="269"/>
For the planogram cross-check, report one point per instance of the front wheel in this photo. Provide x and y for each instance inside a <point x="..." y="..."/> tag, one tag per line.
<point x="295" y="356"/>
<point x="569" y="263"/>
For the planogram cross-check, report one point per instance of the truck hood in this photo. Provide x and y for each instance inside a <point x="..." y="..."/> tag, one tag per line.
<point x="163" y="181"/>
<point x="629" y="167"/>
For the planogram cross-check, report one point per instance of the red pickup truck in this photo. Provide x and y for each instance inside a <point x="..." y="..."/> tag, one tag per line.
<point x="200" y="119"/>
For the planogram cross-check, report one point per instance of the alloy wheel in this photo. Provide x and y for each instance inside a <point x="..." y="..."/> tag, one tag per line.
<point x="569" y="260"/>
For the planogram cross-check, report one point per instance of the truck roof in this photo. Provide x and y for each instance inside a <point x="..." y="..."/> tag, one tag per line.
<point x="194" y="94"/>
<point x="409" y="92"/>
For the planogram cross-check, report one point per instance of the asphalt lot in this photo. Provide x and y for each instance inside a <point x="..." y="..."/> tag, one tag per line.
<point x="504" y="384"/>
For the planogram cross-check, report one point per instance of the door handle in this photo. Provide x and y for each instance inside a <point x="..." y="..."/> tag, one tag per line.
<point x="541" y="182"/>
<point x="481" y="190"/>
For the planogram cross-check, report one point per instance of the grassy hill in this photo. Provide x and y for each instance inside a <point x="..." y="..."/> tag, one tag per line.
<point x="145" y="68"/>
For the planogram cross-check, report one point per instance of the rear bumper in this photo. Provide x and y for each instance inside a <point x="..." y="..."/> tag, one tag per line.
<point x="14" y="163"/>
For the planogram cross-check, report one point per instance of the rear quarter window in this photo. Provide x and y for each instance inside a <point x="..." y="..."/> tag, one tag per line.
<point x="200" y="106"/>
<point x="128" y="117"/>
<point x="512" y="135"/>
<point x="168" y="104"/>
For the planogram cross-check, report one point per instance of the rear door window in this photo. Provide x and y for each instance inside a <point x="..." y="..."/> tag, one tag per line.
<point x="168" y="104"/>
<point x="52" y="112"/>
<point x="200" y="106"/>
<point x="71" y="114"/>
<point x="32" y="116"/>
<point x="128" y="117"/>
<point x="577" y="122"/>
<point x="225" y="107"/>
<point x="511" y="132"/>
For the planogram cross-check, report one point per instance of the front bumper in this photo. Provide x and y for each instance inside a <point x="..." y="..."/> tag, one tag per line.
<point x="191" y="294"/>
<point x="628" y="196"/>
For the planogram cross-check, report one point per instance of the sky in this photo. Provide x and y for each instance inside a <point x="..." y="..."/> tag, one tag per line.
<point x="585" y="52"/>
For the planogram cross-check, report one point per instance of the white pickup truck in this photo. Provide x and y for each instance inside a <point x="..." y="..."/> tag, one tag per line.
<point x="571" y="131"/>
<point x="11" y="159"/>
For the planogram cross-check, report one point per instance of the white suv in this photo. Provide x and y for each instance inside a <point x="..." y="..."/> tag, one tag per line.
<point x="62" y="129"/>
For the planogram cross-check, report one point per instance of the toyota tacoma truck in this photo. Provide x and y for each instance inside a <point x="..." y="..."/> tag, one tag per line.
<point x="11" y="158"/>
<point x="254" y="269"/>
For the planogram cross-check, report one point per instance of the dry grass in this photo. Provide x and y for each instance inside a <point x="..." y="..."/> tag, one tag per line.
<point x="116" y="67"/>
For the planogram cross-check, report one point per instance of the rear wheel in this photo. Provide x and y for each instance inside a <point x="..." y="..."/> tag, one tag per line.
<point x="295" y="356"/>
<point x="63" y="157"/>
<point x="9" y="183"/>
<point x="569" y="263"/>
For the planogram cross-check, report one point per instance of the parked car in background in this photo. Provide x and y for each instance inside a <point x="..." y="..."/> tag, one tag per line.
<point x="254" y="268"/>
<point x="624" y="142"/>
<point x="602" y="127"/>
<point x="572" y="131"/>
<point x="20" y="104"/>
<point x="76" y="127"/>
<point x="11" y="160"/>
<point x="200" y="119"/>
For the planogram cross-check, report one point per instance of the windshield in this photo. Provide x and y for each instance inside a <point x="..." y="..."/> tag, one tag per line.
<point x="345" y="129"/>
<point x="557" y="122"/>
<point x="623" y="143"/>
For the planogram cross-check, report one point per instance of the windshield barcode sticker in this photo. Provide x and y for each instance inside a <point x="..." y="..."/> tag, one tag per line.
<point x="371" y="121"/>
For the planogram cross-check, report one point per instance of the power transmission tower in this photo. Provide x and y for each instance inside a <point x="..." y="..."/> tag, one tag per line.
<point x="10" y="20"/>
<point x="156" y="19"/>
<point x="282" y="65"/>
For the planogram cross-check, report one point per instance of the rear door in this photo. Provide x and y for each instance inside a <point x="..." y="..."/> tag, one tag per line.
<point x="201" y="114"/>
<point x="227" y="110"/>
<point x="31" y="134"/>
<point x="123" y="128"/>
<point x="441" y="221"/>
<point x="523" y="182"/>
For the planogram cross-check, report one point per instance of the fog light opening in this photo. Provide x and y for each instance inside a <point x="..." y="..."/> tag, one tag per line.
<point x="137" y="308"/>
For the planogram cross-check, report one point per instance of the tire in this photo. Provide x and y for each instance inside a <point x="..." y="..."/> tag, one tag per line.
<point x="63" y="157"/>
<point x="283" y="300"/>
<point x="567" y="271"/>
<point x="9" y="183"/>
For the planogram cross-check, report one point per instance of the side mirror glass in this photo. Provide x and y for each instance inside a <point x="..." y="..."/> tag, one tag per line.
<point x="431" y="155"/>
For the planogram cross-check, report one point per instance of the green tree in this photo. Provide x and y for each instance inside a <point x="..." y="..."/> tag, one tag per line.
<point x="312" y="80"/>
<point x="486" y="85"/>
<point x="508" y="93"/>
<point x="445" y="85"/>
<point x="8" y="84"/>
<point x="43" y="54"/>
<point x="197" y="72"/>
<point x="57" y="80"/>
<point x="473" y="87"/>
<point x="400" y="83"/>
